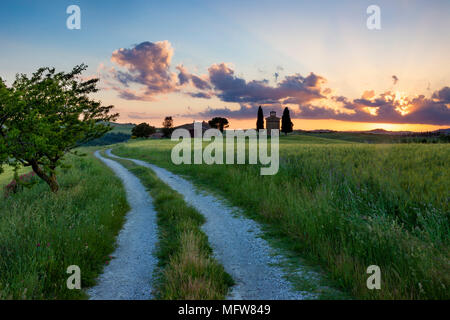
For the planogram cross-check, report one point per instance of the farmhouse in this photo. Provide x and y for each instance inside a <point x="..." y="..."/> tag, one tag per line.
<point x="272" y="122"/>
<point x="190" y="127"/>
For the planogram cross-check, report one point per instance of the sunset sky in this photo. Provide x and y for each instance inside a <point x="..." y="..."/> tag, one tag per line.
<point x="197" y="59"/>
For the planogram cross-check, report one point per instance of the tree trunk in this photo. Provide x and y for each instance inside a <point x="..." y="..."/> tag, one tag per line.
<point x="54" y="186"/>
<point x="49" y="179"/>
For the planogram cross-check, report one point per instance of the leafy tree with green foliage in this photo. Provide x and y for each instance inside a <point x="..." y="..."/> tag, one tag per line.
<point x="260" y="120"/>
<point x="46" y="116"/>
<point x="143" y="130"/>
<point x="167" y="126"/>
<point x="286" y="123"/>
<point x="4" y="98"/>
<point x="218" y="123"/>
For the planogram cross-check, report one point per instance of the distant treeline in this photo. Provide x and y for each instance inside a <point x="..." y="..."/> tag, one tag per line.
<point x="426" y="139"/>
<point x="109" y="138"/>
<point x="365" y="137"/>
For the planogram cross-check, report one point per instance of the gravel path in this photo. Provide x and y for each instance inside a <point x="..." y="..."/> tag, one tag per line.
<point x="129" y="274"/>
<point x="236" y="243"/>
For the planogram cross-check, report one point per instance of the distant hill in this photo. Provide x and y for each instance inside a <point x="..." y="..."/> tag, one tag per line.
<point x="121" y="132"/>
<point x="443" y="131"/>
<point x="122" y="127"/>
<point x="382" y="136"/>
<point x="382" y="131"/>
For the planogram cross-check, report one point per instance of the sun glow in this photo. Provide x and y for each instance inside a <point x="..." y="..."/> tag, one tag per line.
<point x="373" y="111"/>
<point x="402" y="102"/>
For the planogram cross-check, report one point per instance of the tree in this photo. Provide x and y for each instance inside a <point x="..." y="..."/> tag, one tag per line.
<point x="218" y="123"/>
<point x="143" y="130"/>
<point x="46" y="116"/>
<point x="260" y="121"/>
<point x="167" y="126"/>
<point x="286" y="123"/>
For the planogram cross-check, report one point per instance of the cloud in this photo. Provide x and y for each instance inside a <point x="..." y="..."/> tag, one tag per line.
<point x="368" y="94"/>
<point x="386" y="108"/>
<point x="200" y="83"/>
<point x="276" y="75"/>
<point x="141" y="115"/>
<point x="295" y="88"/>
<point x="199" y="95"/>
<point x="143" y="72"/>
<point x="442" y="95"/>
<point x="185" y="77"/>
<point x="395" y="79"/>
<point x="146" y="64"/>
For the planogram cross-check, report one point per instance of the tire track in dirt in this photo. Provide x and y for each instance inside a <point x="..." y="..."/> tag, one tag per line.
<point x="129" y="274"/>
<point x="236" y="242"/>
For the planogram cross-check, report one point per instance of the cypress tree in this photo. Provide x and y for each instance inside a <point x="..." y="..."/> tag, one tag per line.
<point x="286" y="123"/>
<point x="260" y="121"/>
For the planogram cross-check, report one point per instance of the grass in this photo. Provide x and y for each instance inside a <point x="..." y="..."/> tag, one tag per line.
<point x="365" y="137"/>
<point x="8" y="174"/>
<point x="42" y="233"/>
<point x="121" y="127"/>
<point x="187" y="269"/>
<point x="345" y="206"/>
<point x="309" y="139"/>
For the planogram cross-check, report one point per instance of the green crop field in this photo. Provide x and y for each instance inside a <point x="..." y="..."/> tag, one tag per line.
<point x="345" y="206"/>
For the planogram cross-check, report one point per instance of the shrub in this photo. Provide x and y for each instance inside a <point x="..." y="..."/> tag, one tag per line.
<point x="143" y="130"/>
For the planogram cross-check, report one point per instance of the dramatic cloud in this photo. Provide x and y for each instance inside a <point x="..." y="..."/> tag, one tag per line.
<point x="442" y="95"/>
<point x="144" y="72"/>
<point x="147" y="64"/>
<point x="387" y="108"/>
<point x="183" y="75"/>
<point x="293" y="89"/>
<point x="199" y="83"/>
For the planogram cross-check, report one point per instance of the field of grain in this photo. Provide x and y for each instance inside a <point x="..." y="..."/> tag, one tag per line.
<point x="345" y="206"/>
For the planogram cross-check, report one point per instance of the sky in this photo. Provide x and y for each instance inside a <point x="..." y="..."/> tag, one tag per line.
<point x="194" y="60"/>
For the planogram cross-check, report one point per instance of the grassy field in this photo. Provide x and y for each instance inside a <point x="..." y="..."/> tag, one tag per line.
<point x="121" y="127"/>
<point x="8" y="175"/>
<point x="345" y="206"/>
<point x="187" y="269"/>
<point x="340" y="204"/>
<point x="41" y="233"/>
<point x="380" y="138"/>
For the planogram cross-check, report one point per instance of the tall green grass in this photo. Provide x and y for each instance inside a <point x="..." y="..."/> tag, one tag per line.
<point x="8" y="175"/>
<point x="345" y="206"/>
<point x="42" y="233"/>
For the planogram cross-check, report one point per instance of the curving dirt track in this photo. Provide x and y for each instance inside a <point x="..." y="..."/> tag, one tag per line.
<point x="236" y="243"/>
<point x="129" y="274"/>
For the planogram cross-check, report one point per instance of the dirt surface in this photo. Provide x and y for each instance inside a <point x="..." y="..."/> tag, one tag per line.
<point x="128" y="276"/>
